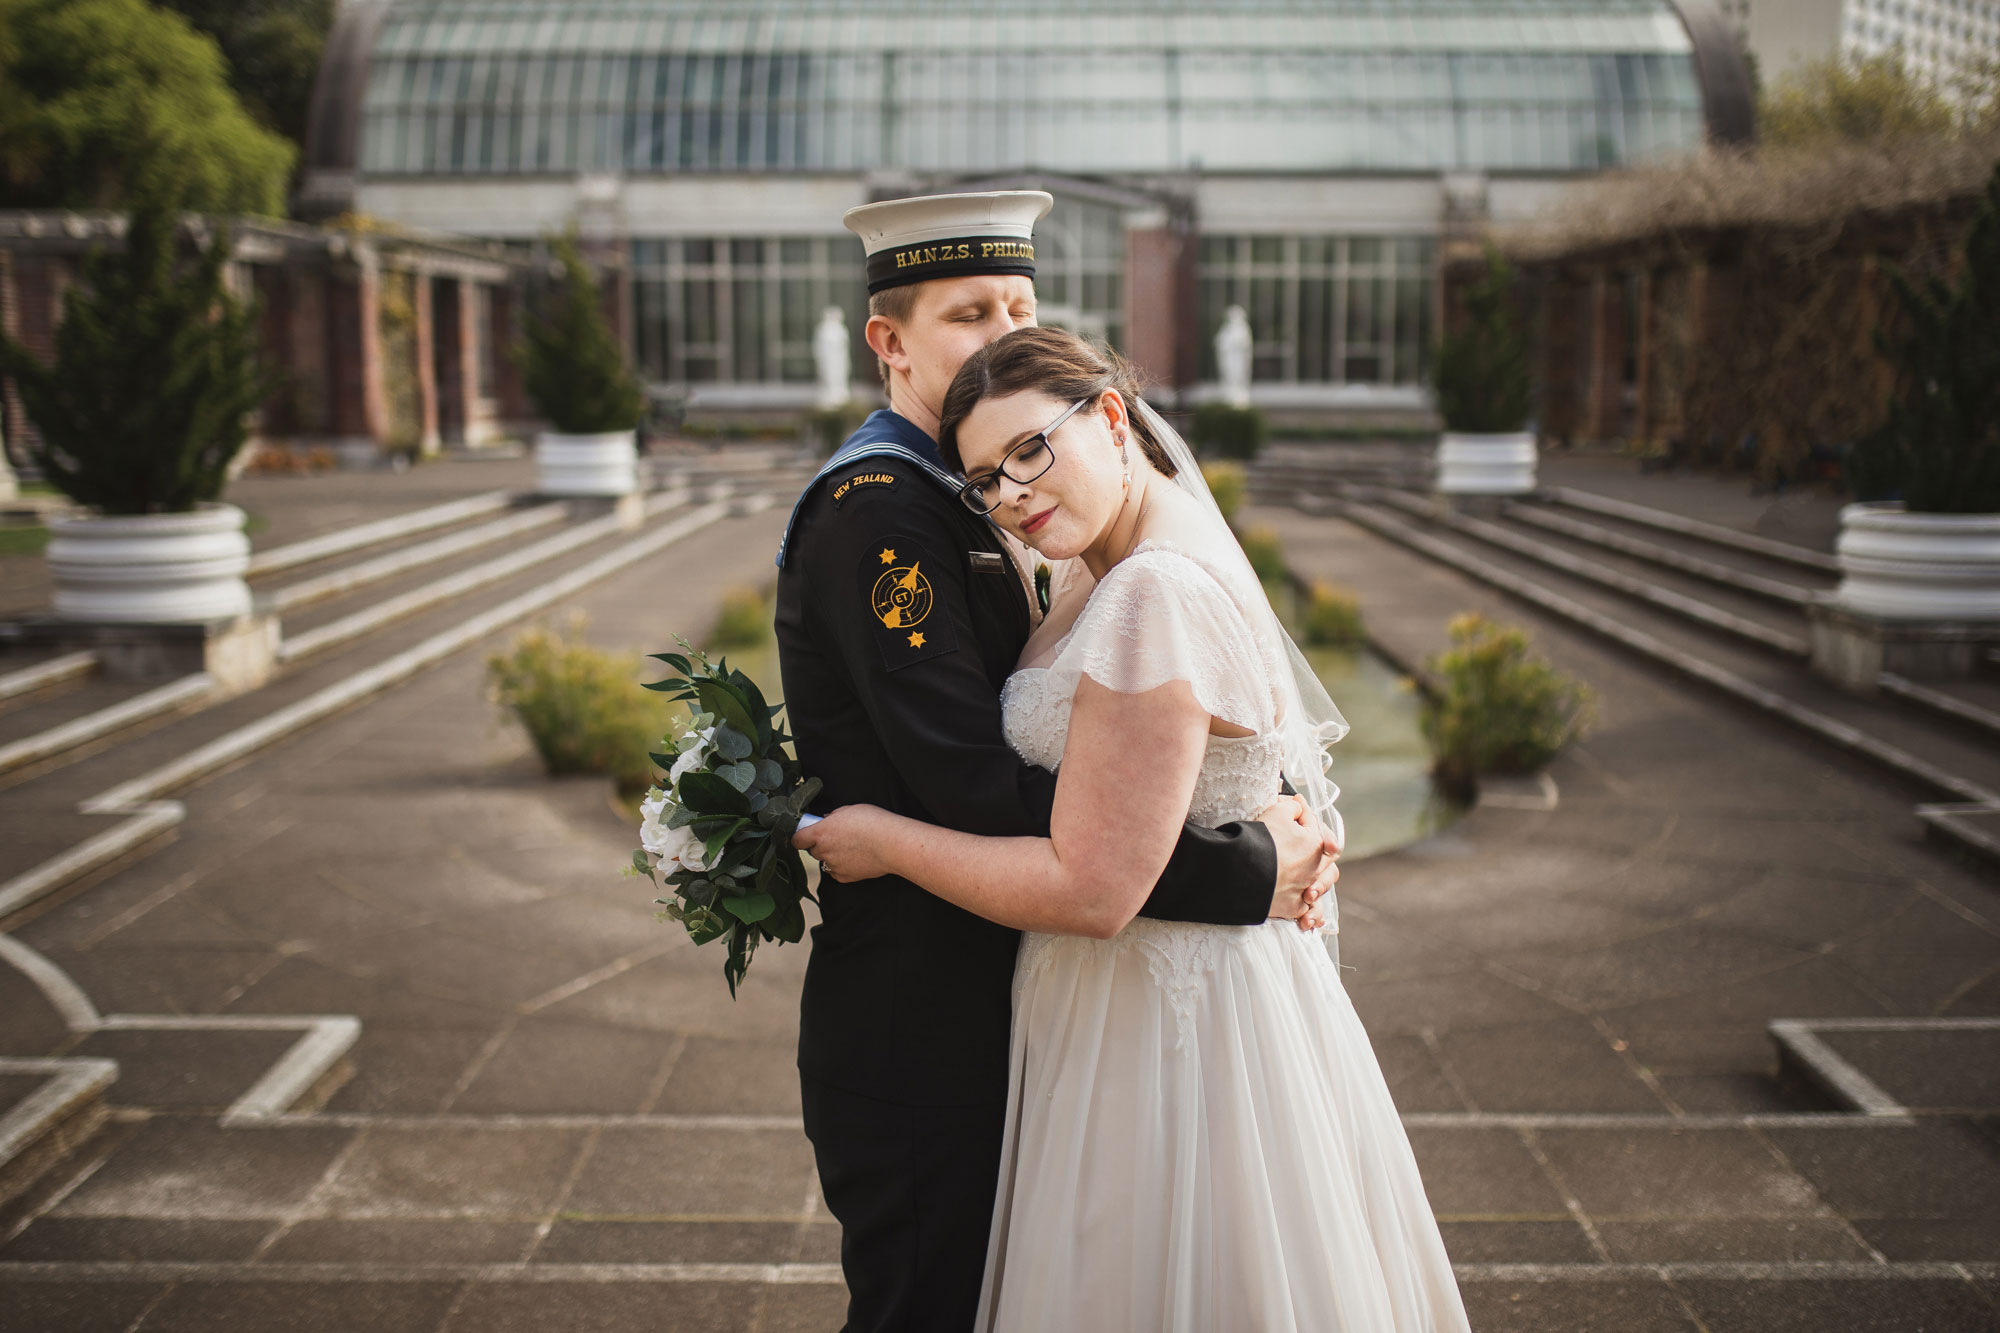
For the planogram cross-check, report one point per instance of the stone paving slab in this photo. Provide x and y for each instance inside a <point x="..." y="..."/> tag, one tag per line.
<point x="557" y="1118"/>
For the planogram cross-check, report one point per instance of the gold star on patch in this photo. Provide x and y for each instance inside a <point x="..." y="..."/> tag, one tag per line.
<point x="888" y="557"/>
<point x="916" y="640"/>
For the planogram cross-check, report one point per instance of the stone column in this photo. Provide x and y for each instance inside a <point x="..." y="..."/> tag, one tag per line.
<point x="427" y="389"/>
<point x="472" y="339"/>
<point x="357" y="394"/>
<point x="10" y="410"/>
<point x="1603" y="405"/>
<point x="1645" y="376"/>
<point x="1157" y="322"/>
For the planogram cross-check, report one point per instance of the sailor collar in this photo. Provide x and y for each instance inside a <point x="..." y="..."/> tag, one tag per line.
<point x="885" y="434"/>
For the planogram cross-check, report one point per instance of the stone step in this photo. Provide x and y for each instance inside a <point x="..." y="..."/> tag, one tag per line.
<point x="1944" y="761"/>
<point x="48" y="1108"/>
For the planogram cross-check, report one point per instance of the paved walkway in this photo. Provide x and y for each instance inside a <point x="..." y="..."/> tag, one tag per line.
<point x="556" y="1118"/>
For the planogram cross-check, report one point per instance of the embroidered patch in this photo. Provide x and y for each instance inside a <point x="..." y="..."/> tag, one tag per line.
<point x="895" y="580"/>
<point x="902" y="596"/>
<point x="861" y="479"/>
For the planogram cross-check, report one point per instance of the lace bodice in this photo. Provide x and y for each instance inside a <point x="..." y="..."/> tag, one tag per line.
<point x="1160" y="616"/>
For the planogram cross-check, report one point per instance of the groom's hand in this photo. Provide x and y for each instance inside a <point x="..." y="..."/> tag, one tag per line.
<point x="1306" y="867"/>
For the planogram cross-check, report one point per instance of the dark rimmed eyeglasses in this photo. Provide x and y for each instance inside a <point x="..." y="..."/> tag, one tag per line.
<point x="1022" y="464"/>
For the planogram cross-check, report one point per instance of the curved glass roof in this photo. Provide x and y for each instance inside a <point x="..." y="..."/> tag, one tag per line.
<point x="556" y="87"/>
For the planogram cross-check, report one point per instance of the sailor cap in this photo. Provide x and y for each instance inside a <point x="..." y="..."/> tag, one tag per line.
<point x="948" y="235"/>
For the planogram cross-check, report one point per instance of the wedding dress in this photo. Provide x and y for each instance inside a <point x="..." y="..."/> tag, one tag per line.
<point x="1198" y="1136"/>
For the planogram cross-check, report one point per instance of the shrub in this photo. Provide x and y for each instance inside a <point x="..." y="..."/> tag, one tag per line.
<point x="1481" y="375"/>
<point x="744" y="622"/>
<point x="572" y="364"/>
<point x="1229" y="432"/>
<point x="1498" y="710"/>
<point x="1939" y="450"/>
<point x="829" y="427"/>
<point x="1332" y="616"/>
<point x="145" y="404"/>
<point x="1228" y="484"/>
<point x="1266" y="553"/>
<point x="581" y="706"/>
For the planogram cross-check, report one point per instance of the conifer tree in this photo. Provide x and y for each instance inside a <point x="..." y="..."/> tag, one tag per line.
<point x="145" y="403"/>
<point x="573" y="366"/>
<point x="1481" y="375"/>
<point x="1939" y="449"/>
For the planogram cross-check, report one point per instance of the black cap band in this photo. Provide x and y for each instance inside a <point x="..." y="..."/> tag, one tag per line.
<point x="959" y="257"/>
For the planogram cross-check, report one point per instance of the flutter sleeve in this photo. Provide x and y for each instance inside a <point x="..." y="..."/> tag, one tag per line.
<point x="1158" y="617"/>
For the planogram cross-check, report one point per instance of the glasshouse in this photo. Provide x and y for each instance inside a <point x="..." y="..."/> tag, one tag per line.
<point x="1310" y="162"/>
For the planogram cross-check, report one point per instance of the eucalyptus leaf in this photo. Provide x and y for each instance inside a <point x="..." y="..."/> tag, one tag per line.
<point x="751" y="908"/>
<point x="721" y="701"/>
<point x="738" y="775"/>
<point x="713" y="795"/>
<point x="770" y="775"/>
<point x="758" y="800"/>
<point x="732" y="744"/>
<point x="681" y="817"/>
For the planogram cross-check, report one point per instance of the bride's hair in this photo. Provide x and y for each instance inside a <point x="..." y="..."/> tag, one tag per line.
<point x="1055" y="362"/>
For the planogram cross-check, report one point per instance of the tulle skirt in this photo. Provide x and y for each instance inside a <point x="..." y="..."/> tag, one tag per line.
<point x="1199" y="1139"/>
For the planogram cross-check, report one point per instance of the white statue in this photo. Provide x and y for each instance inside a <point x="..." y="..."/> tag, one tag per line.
<point x="1232" y="356"/>
<point x="830" y="358"/>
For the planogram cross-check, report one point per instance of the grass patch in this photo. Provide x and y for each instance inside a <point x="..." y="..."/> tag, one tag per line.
<point x="23" y="540"/>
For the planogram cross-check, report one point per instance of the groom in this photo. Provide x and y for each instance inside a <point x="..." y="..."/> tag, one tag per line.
<point x="900" y="615"/>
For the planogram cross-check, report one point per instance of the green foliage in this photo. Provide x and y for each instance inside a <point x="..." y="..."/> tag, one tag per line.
<point x="1939" y="449"/>
<point x="272" y="49"/>
<point x="24" y="540"/>
<point x="582" y="707"/>
<point x="1860" y="98"/>
<point x="144" y="405"/>
<point x="1481" y="374"/>
<point x="103" y="102"/>
<point x="829" y="427"/>
<point x="572" y="364"/>
<point x="1228" y="483"/>
<point x="1266" y="553"/>
<point x="744" y="622"/>
<point x="1499" y="710"/>
<point x="1333" y="617"/>
<point x="721" y="831"/>
<point x="1229" y="432"/>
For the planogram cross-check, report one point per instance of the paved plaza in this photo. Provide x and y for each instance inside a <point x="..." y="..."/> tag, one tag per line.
<point x="554" y="1117"/>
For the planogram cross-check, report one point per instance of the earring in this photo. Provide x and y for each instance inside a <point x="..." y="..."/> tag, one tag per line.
<point x="1124" y="461"/>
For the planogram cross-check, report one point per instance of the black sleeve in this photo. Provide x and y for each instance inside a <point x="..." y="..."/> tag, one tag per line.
<point x="887" y="578"/>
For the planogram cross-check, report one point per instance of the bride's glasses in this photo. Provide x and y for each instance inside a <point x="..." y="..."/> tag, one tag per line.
<point x="1022" y="464"/>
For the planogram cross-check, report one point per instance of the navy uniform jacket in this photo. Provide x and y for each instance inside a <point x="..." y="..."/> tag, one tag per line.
<point x="894" y="639"/>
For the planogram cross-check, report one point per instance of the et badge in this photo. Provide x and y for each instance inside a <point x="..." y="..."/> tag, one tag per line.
<point x="895" y="581"/>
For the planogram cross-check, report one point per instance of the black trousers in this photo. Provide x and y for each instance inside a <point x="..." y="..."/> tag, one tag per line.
<point x="912" y="1187"/>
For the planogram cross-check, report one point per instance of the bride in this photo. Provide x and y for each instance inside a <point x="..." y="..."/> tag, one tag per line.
<point x="1198" y="1135"/>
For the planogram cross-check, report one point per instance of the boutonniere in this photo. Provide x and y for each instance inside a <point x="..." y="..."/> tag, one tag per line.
<point x="1042" y="587"/>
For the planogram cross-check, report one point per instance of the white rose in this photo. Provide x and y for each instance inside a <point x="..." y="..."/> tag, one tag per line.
<point x="654" y="835"/>
<point x="685" y="850"/>
<point x="692" y="756"/>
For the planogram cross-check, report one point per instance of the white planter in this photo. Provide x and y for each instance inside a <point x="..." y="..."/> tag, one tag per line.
<point x="1896" y="565"/>
<point x="151" y="569"/>
<point x="602" y="465"/>
<point x="1486" y="464"/>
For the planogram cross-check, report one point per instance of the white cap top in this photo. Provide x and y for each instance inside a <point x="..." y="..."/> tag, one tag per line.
<point x="948" y="235"/>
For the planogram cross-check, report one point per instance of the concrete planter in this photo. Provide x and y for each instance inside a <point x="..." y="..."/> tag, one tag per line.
<point x="1895" y="565"/>
<point x="151" y="569"/>
<point x="1486" y="464"/>
<point x="605" y="465"/>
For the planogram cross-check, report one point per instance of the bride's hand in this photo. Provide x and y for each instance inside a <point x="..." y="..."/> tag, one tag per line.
<point x="1307" y="868"/>
<point x="846" y="843"/>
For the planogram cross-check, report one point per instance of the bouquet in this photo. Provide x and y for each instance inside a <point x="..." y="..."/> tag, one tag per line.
<point x="718" y="835"/>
